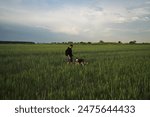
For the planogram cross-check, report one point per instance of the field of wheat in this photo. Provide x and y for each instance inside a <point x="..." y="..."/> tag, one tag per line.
<point x="39" y="71"/>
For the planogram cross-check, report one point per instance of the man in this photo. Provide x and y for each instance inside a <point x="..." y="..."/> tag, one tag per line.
<point x="69" y="54"/>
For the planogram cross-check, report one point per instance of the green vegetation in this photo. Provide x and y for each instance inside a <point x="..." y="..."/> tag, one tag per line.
<point x="39" y="71"/>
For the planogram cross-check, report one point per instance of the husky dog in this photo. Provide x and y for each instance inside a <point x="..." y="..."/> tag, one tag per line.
<point x="80" y="61"/>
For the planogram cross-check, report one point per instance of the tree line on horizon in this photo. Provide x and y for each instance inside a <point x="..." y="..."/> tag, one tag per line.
<point x="71" y="42"/>
<point x="16" y="42"/>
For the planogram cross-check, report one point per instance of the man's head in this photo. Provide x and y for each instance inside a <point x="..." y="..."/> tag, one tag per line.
<point x="71" y="46"/>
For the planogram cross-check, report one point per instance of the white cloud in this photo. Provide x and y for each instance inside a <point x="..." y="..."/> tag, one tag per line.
<point x="147" y="2"/>
<point x="146" y="18"/>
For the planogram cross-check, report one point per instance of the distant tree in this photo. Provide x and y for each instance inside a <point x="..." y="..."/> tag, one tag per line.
<point x="132" y="42"/>
<point x="119" y="42"/>
<point x="82" y="42"/>
<point x="70" y="42"/>
<point x="89" y="42"/>
<point x="101" y="41"/>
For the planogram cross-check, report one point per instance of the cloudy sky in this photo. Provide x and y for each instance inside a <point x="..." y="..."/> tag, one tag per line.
<point x="75" y="20"/>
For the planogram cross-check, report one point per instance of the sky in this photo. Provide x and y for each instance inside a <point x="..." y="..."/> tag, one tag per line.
<point x="75" y="20"/>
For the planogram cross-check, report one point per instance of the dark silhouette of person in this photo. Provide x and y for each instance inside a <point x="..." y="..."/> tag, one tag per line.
<point x="69" y="54"/>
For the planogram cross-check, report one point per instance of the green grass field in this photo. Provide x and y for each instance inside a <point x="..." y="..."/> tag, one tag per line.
<point x="39" y="71"/>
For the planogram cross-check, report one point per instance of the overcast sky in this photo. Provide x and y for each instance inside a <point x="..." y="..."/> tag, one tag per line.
<point x="75" y="20"/>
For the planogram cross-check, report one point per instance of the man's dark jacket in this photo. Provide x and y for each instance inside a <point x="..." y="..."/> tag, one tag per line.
<point x="69" y="52"/>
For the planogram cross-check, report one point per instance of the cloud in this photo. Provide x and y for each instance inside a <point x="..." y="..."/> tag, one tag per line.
<point x="69" y="20"/>
<point x="90" y="19"/>
<point x="147" y="2"/>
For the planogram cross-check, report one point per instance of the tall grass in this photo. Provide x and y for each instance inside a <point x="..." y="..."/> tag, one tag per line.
<point x="40" y="72"/>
